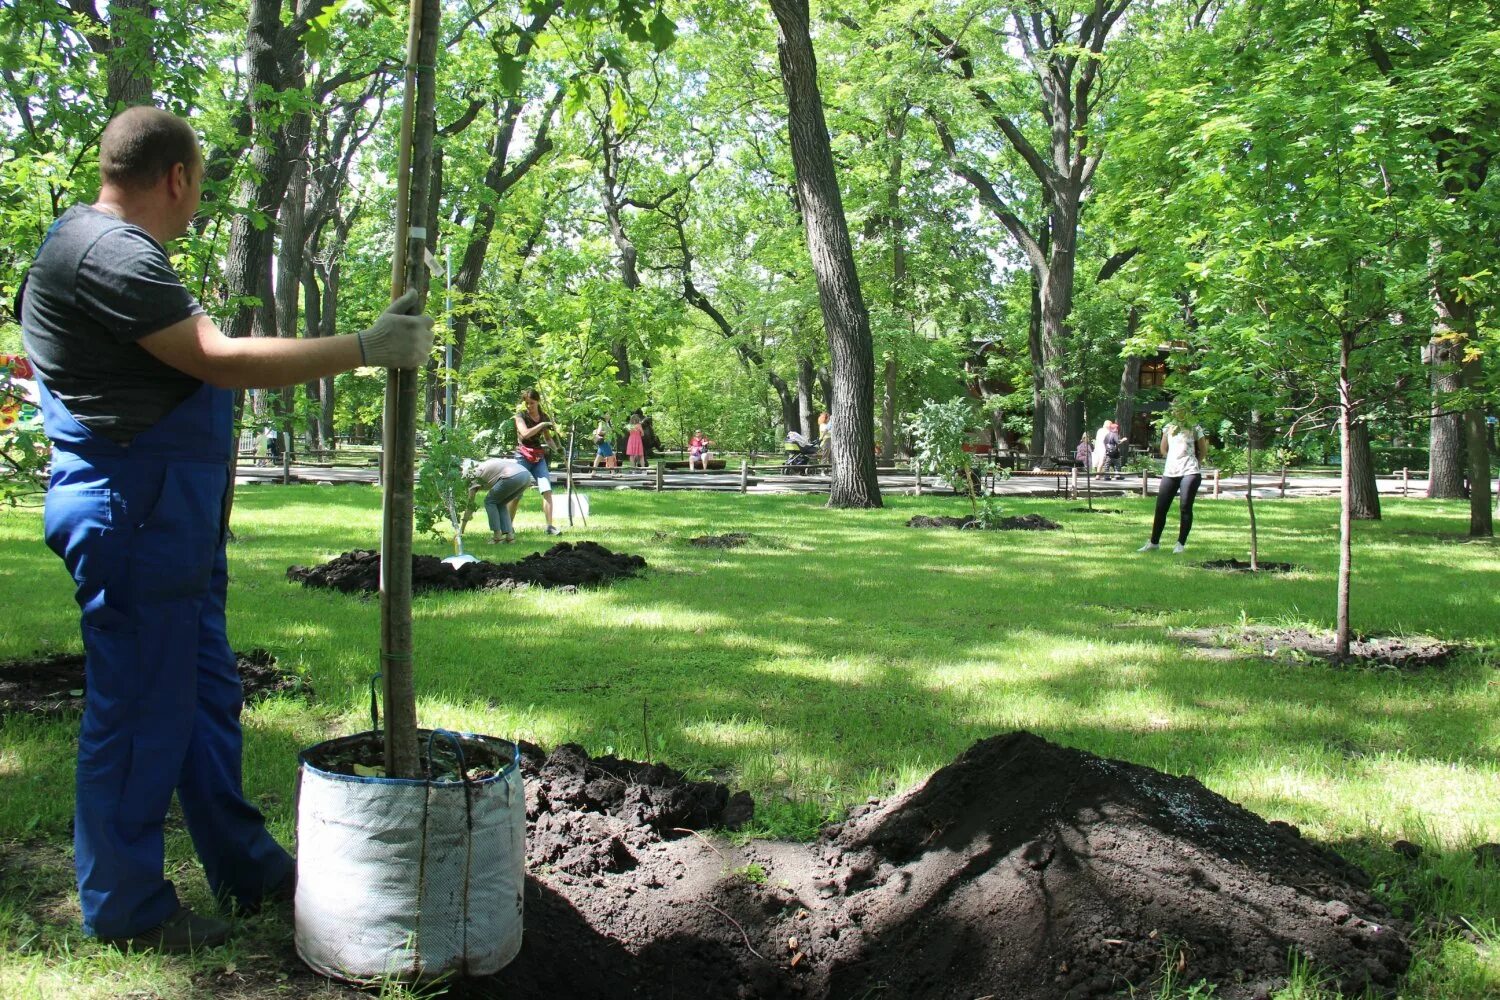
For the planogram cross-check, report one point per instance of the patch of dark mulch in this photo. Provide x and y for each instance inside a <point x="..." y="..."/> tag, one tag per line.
<point x="1024" y="522"/>
<point x="1023" y="870"/>
<point x="733" y="540"/>
<point x="1243" y="566"/>
<point x="1296" y="645"/>
<point x="1096" y="510"/>
<point x="566" y="566"/>
<point x="53" y="685"/>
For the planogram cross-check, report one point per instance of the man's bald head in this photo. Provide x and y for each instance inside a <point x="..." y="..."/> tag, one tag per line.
<point x="142" y="144"/>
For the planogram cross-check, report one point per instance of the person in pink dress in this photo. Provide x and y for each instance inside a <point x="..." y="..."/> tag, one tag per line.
<point x="635" y="447"/>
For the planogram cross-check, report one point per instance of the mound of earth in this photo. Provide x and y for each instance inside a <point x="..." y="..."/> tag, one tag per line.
<point x="55" y="684"/>
<point x="1021" y="871"/>
<point x="566" y="566"/>
<point x="1096" y="510"/>
<point x="733" y="540"/>
<point x="1243" y="566"/>
<point x="1294" y="644"/>
<point x="1024" y="522"/>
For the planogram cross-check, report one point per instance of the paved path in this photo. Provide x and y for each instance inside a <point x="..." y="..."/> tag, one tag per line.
<point x="892" y="483"/>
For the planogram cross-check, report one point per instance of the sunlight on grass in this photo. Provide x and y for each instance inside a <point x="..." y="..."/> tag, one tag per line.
<point x="842" y="655"/>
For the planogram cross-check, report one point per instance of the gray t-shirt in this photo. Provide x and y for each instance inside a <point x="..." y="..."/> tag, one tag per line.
<point x="492" y="470"/>
<point x="98" y="285"/>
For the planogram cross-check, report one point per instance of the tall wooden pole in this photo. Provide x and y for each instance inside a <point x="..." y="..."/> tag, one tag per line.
<point x="408" y="270"/>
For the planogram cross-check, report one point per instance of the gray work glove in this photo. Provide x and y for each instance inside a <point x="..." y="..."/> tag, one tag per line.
<point x="400" y="338"/>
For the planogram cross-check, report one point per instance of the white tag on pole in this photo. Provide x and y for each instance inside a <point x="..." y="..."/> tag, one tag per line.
<point x="432" y="264"/>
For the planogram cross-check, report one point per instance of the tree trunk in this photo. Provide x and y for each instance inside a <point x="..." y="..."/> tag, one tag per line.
<point x="806" y="419"/>
<point x="1346" y="495"/>
<point x="1481" y="522"/>
<point x="132" y="56"/>
<point x="853" y="482"/>
<point x="1445" y="447"/>
<point x="895" y="133"/>
<point x="1038" y="443"/>
<point x="1130" y="379"/>
<point x="1364" y="498"/>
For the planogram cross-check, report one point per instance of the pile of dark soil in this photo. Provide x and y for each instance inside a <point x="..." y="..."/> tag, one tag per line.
<point x="566" y="566"/>
<point x="733" y="540"/>
<point x="1243" y="566"/>
<point x="55" y="685"/>
<point x="1096" y="510"/>
<point x="1021" y="871"/>
<point x="1298" y="645"/>
<point x="1025" y="522"/>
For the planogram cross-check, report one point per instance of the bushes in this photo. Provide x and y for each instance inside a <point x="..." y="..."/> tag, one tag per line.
<point x="1391" y="459"/>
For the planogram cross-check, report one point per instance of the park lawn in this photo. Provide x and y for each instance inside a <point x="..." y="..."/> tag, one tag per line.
<point x="841" y="655"/>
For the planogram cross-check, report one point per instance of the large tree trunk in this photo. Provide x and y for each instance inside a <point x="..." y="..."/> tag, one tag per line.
<point x="1481" y="517"/>
<point x="853" y="482"/>
<point x="629" y="274"/>
<point x="502" y="175"/>
<point x="1364" y="496"/>
<point x="132" y="56"/>
<point x="1037" y="446"/>
<point x="1445" y="448"/>
<point x="1130" y="378"/>
<point x="288" y="291"/>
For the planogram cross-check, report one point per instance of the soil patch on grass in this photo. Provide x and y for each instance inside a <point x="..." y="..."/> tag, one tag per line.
<point x="1023" y="870"/>
<point x="733" y="540"/>
<point x="1023" y="522"/>
<point x="566" y="566"/>
<point x="1096" y="510"/>
<point x="1299" y="645"/>
<point x="1243" y="566"/>
<point x="54" y="685"/>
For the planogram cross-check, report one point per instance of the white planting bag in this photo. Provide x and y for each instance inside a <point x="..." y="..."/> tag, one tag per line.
<point x="410" y="879"/>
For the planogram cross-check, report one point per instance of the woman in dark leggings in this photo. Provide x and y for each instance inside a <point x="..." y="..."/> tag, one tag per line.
<point x="1184" y="446"/>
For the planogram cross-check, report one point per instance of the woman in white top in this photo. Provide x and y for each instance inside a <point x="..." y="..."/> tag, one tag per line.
<point x="1184" y="445"/>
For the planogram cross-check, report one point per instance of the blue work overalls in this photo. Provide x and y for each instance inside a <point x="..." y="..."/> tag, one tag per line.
<point x="141" y="529"/>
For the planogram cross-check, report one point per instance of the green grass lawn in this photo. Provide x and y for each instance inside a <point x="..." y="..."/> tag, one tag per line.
<point x="842" y="655"/>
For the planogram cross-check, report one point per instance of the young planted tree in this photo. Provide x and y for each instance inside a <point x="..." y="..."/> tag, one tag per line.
<point x="938" y="433"/>
<point x="1307" y="267"/>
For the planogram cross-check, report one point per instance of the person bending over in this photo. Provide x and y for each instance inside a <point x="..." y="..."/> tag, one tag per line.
<point x="504" y="480"/>
<point x="135" y="383"/>
<point x="1184" y="445"/>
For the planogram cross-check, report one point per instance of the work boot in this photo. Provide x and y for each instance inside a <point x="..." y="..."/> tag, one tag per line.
<point x="182" y="931"/>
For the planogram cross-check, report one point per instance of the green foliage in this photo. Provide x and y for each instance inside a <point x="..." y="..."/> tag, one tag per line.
<point x="938" y="432"/>
<point x="441" y="500"/>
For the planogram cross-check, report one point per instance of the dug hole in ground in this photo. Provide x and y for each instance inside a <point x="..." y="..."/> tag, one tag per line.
<point x="1021" y="870"/>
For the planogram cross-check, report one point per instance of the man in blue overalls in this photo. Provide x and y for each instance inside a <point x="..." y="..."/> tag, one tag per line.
<point x="135" y="387"/>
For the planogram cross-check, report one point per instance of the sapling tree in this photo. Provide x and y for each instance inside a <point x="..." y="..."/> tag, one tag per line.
<point x="938" y="431"/>
<point x="1307" y="265"/>
<point x="441" y="502"/>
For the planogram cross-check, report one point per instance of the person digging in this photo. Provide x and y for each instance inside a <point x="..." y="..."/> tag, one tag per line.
<point x="135" y="383"/>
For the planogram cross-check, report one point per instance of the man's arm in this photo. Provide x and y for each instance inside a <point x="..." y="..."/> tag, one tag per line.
<point x="199" y="348"/>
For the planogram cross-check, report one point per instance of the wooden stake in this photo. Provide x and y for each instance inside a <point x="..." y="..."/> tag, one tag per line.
<point x="408" y="270"/>
<point x="745" y="477"/>
<point x="659" y="474"/>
